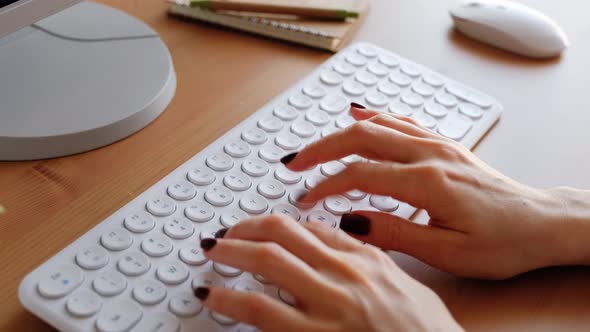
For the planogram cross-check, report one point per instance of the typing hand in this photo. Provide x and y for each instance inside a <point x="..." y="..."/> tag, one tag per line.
<point x="337" y="283"/>
<point x="483" y="224"/>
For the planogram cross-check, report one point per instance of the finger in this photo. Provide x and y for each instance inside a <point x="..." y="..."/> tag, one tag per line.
<point x="363" y="138"/>
<point x="391" y="232"/>
<point x="269" y="260"/>
<point x="396" y="180"/>
<point x="334" y="238"/>
<point x="253" y="308"/>
<point x="403" y="124"/>
<point x="287" y="233"/>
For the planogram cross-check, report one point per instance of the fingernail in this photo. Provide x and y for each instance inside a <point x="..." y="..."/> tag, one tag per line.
<point x="355" y="224"/>
<point x="207" y="244"/>
<point x="359" y="106"/>
<point x="288" y="158"/>
<point x="202" y="293"/>
<point x="221" y="233"/>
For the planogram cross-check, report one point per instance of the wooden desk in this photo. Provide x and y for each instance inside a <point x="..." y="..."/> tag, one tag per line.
<point x="224" y="76"/>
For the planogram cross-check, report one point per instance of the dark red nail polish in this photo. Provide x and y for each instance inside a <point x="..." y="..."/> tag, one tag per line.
<point x="355" y="224"/>
<point x="208" y="244"/>
<point x="359" y="106"/>
<point x="221" y="233"/>
<point x="201" y="293"/>
<point x="288" y="158"/>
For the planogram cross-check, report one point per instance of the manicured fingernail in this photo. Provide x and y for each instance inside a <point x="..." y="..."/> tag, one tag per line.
<point x="202" y="293"/>
<point x="355" y="224"/>
<point x="359" y="106"/>
<point x="288" y="158"/>
<point x="207" y="244"/>
<point x="221" y="233"/>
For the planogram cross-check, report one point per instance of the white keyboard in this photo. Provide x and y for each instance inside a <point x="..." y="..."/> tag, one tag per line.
<point x="136" y="269"/>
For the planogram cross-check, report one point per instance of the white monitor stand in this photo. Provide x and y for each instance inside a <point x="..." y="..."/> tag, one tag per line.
<point x="78" y="80"/>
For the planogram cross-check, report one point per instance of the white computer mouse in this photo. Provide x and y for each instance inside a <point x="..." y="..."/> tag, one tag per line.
<point x="510" y="26"/>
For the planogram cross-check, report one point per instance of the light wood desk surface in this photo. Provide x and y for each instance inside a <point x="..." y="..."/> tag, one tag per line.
<point x="542" y="140"/>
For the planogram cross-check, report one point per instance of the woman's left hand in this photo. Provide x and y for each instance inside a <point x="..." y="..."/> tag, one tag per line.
<point x="338" y="283"/>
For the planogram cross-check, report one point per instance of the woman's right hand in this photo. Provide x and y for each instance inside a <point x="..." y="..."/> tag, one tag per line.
<point x="483" y="224"/>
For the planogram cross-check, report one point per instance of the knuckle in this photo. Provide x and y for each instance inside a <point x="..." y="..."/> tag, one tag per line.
<point x="274" y="222"/>
<point x="380" y="118"/>
<point x="360" y="128"/>
<point x="256" y="309"/>
<point x="269" y="253"/>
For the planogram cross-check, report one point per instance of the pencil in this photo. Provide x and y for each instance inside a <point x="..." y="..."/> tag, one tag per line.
<point x="260" y="7"/>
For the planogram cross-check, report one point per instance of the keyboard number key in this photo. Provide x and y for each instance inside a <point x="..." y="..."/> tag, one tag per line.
<point x="139" y="222"/>
<point x="116" y="239"/>
<point x="92" y="258"/>
<point x="162" y="206"/>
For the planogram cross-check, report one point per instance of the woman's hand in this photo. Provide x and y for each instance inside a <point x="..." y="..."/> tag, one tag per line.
<point x="338" y="283"/>
<point x="483" y="224"/>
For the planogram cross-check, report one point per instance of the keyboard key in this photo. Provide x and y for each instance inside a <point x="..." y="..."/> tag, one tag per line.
<point x="219" y="196"/>
<point x="161" y="206"/>
<point x="317" y="117"/>
<point x="410" y="70"/>
<point x="344" y="121"/>
<point x="254" y="204"/>
<point x="377" y="99"/>
<point x="208" y="279"/>
<point x="199" y="212"/>
<point x="156" y="245"/>
<point x="139" y="222"/>
<point x="149" y="292"/>
<point x="172" y="273"/>
<point x="303" y="129"/>
<point x="322" y="216"/>
<point x="435" y="109"/>
<point x="286" y="113"/>
<point x="300" y="101"/>
<point x="271" y="189"/>
<point x="334" y="104"/>
<point x="92" y="258"/>
<point x="294" y="199"/>
<point x="313" y="180"/>
<point x="472" y="111"/>
<point x="134" y="264"/>
<point x="254" y="136"/>
<point x="179" y="228"/>
<point x="222" y="319"/>
<point x="158" y="322"/>
<point x="185" y="305"/>
<point x="354" y="88"/>
<point x="400" y="79"/>
<point x="261" y="279"/>
<point x="356" y="59"/>
<point x="314" y="91"/>
<point x="237" y="149"/>
<point x="384" y="203"/>
<point x="201" y="176"/>
<point x="425" y="120"/>
<point x="271" y="153"/>
<point x="455" y="126"/>
<point x="220" y="162"/>
<point x="446" y="99"/>
<point x="287" y="210"/>
<point x="378" y="69"/>
<point x="433" y="79"/>
<point x="83" y="304"/>
<point x="400" y="109"/>
<point x="332" y="168"/>
<point x="226" y="270"/>
<point x="286" y="297"/>
<point x="248" y="285"/>
<point x="271" y="124"/>
<point x="389" y="89"/>
<point x="343" y="68"/>
<point x="182" y="191"/>
<point x="470" y="95"/>
<point x="351" y="159"/>
<point x="60" y="281"/>
<point x="255" y="167"/>
<point x="286" y="176"/>
<point x="237" y="181"/>
<point x="355" y="195"/>
<point x="119" y="316"/>
<point x="368" y="51"/>
<point x="389" y="60"/>
<point x="422" y="89"/>
<point x="412" y="99"/>
<point x="233" y="217"/>
<point x="192" y="255"/>
<point x="337" y="204"/>
<point x="109" y="283"/>
<point x="330" y="77"/>
<point x="288" y="141"/>
<point x="366" y="78"/>
<point x="116" y="239"/>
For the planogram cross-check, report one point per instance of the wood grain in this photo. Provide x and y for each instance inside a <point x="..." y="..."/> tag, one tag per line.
<point x="224" y="76"/>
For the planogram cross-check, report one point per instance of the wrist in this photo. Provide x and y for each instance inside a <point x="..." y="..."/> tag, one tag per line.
<point x="568" y="232"/>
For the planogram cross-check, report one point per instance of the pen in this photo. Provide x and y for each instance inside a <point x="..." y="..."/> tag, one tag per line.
<point x="261" y="7"/>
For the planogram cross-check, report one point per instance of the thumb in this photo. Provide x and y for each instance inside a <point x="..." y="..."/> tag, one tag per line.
<point x="391" y="232"/>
